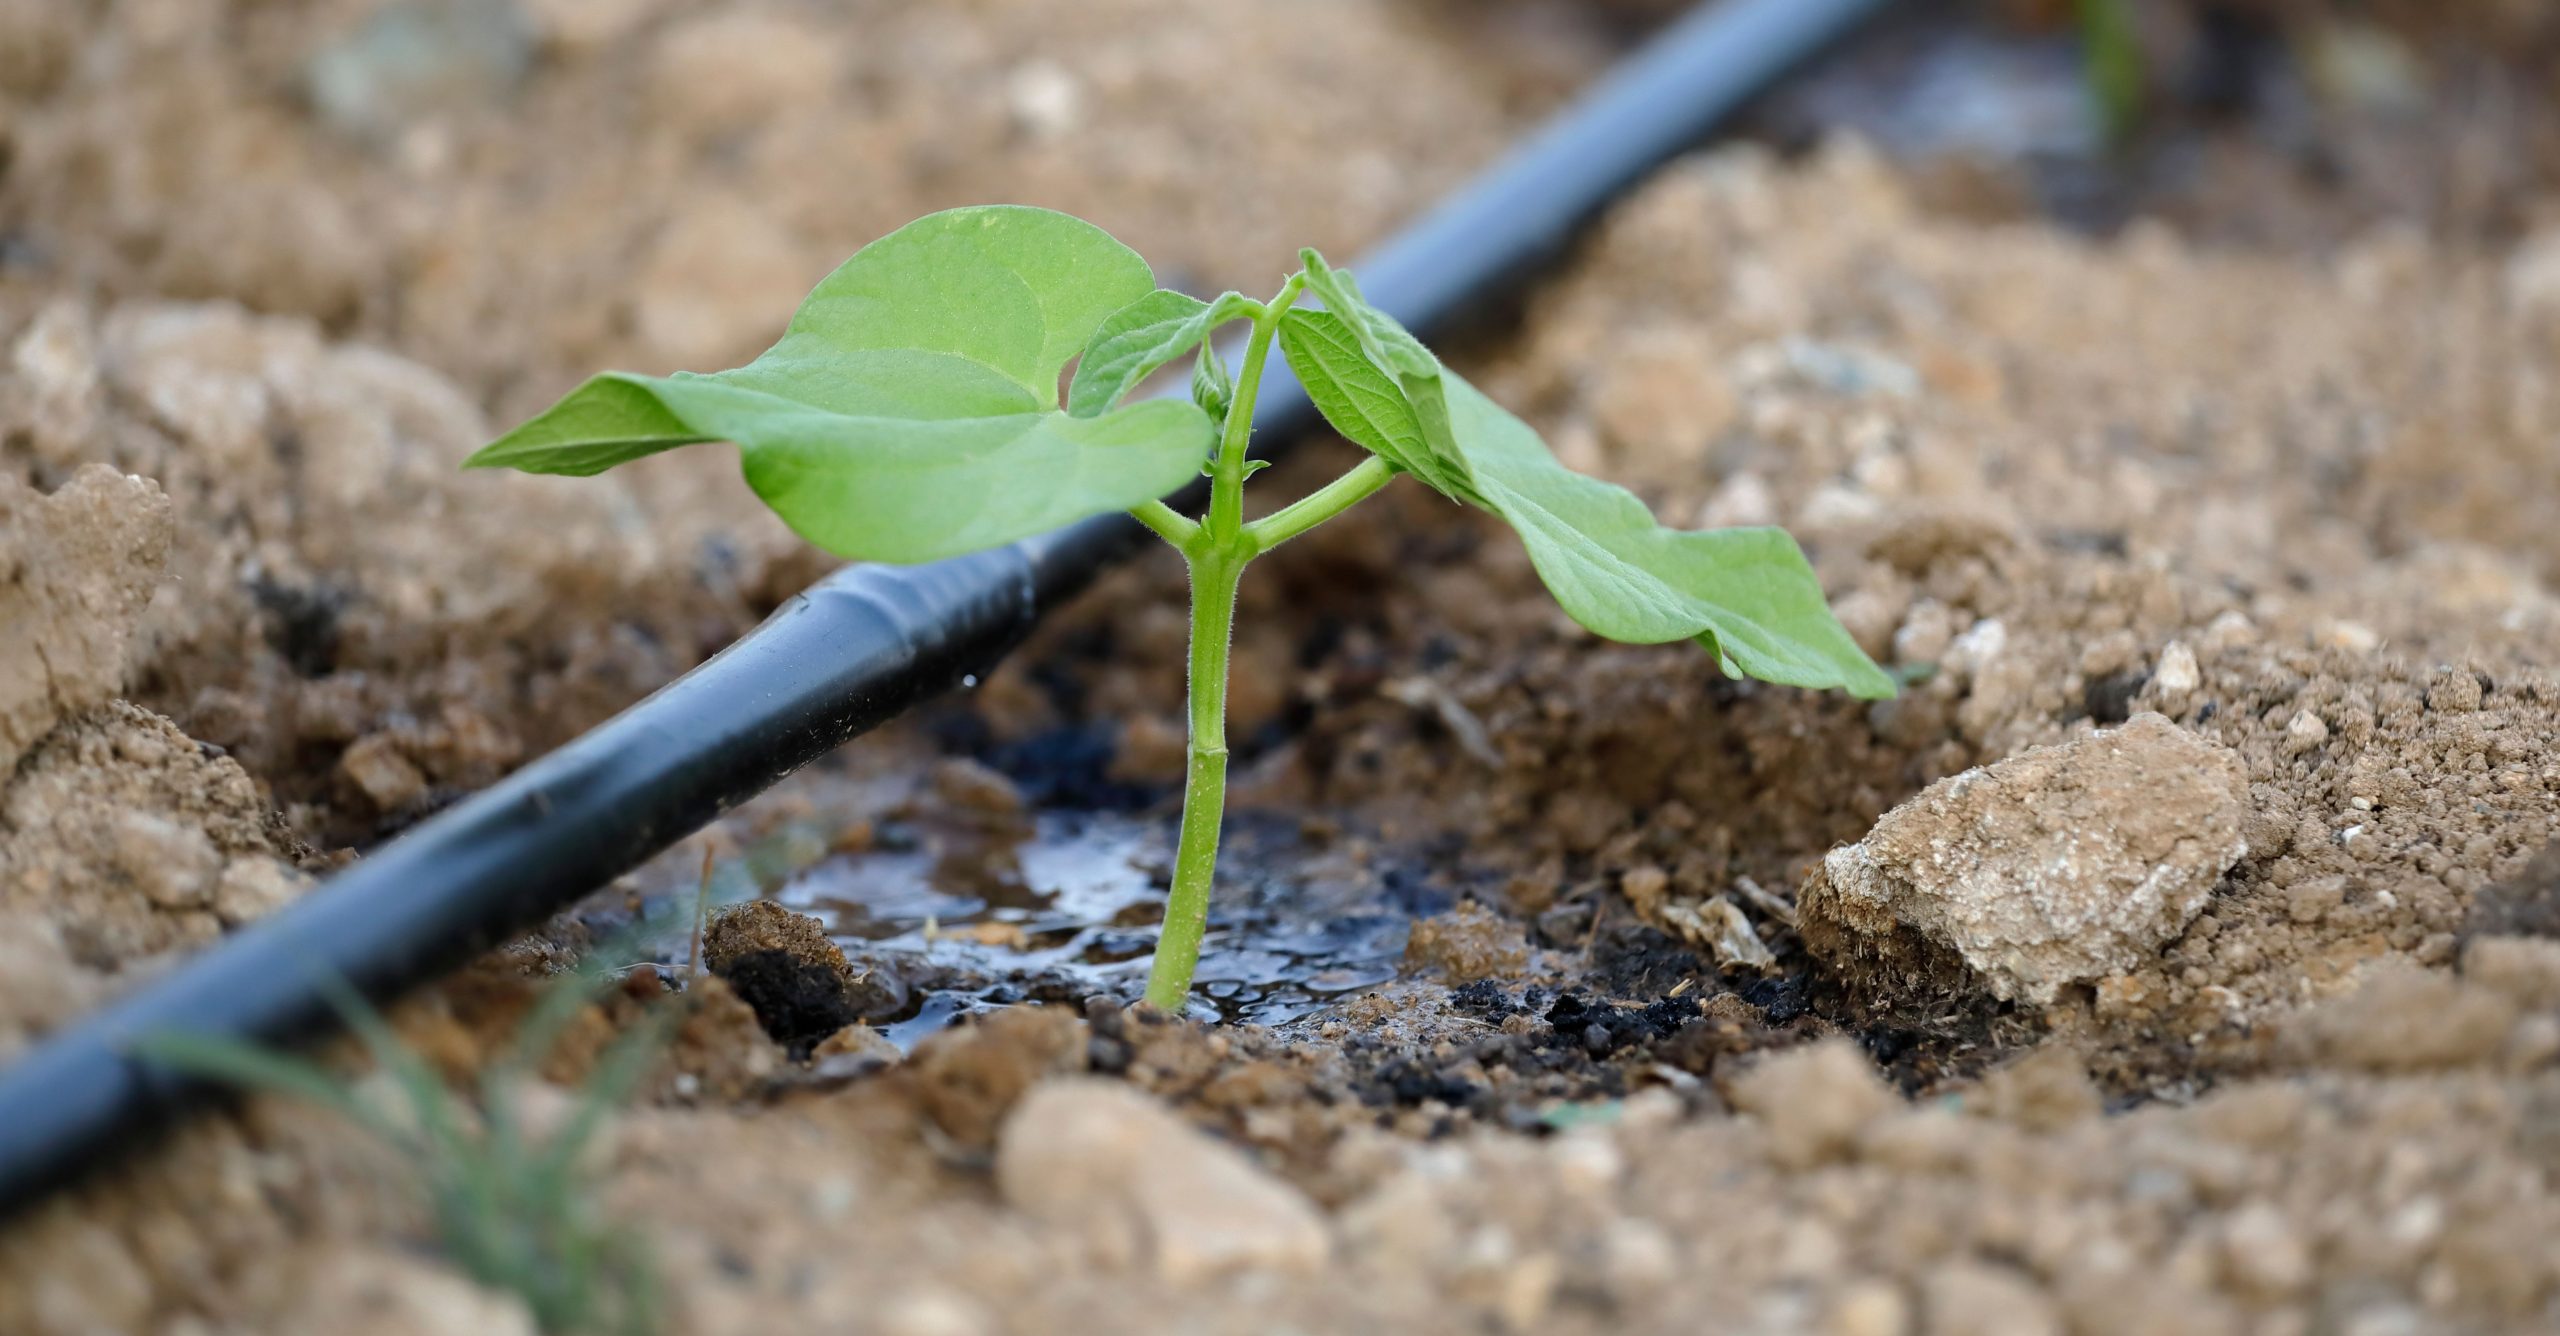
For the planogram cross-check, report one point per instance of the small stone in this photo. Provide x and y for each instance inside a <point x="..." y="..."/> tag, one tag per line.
<point x="1099" y="1158"/>
<point x="2263" y="1254"/>
<point x="1152" y="750"/>
<point x="1046" y="99"/>
<point x="380" y="771"/>
<point x="1813" y="1101"/>
<point x="2176" y="676"/>
<point x="1927" y="632"/>
<point x="2059" y="865"/>
<point x="1743" y="499"/>
<point x="974" y="787"/>
<point x="76" y="570"/>
<point x="1645" y="885"/>
<point x="1869" y="1308"/>
<point x="2306" y="732"/>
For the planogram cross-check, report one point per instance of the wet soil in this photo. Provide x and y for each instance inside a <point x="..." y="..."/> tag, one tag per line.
<point x="1508" y="1019"/>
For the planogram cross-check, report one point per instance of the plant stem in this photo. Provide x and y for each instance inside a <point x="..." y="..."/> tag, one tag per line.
<point x="1214" y="576"/>
<point x="1218" y="549"/>
<point x="1320" y="505"/>
<point x="1169" y="524"/>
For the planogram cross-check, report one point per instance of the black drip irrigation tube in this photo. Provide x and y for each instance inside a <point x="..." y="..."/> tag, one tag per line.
<point x="845" y="656"/>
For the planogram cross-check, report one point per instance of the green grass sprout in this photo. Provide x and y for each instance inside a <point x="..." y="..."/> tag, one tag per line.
<point x="512" y="1208"/>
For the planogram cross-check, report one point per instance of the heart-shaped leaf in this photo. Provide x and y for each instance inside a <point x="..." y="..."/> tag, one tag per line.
<point x="910" y="411"/>
<point x="1746" y="594"/>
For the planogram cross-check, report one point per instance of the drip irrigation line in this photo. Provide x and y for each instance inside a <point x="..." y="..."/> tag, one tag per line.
<point x="848" y="654"/>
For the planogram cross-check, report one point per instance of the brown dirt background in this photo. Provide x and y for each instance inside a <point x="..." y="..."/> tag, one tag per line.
<point x="2301" y="438"/>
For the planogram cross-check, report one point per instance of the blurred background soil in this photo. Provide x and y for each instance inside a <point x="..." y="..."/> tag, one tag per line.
<point x="2226" y="400"/>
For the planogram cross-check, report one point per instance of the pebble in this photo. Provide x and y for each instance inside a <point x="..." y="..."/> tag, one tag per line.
<point x="1101" y="1159"/>
<point x="2262" y="1254"/>
<point x="2306" y="732"/>
<point x="2176" y="676"/>
<point x="2057" y="866"/>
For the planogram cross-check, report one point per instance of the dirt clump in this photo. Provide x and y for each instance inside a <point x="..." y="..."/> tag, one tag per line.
<point x="1468" y="943"/>
<point x="2056" y="866"/>
<point x="76" y="569"/>
<point x="1140" y="1183"/>
<point x="795" y="977"/>
<point x="124" y="842"/>
<point x="970" y="1078"/>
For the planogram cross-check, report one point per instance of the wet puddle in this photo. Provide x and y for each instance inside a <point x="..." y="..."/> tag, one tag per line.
<point x="1062" y="906"/>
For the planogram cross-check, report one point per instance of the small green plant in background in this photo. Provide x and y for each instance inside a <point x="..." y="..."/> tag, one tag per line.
<point x="912" y="411"/>
<point x="2111" y="65"/>
<point x="512" y="1206"/>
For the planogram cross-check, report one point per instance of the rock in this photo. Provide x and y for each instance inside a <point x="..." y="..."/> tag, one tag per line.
<point x="2060" y="865"/>
<point x="1103" y="1160"/>
<point x="379" y="769"/>
<point x="1046" y="99"/>
<point x="2177" y="675"/>
<point x="976" y="788"/>
<point x="76" y="569"/>
<point x="1813" y="1101"/>
<point x="2263" y="1254"/>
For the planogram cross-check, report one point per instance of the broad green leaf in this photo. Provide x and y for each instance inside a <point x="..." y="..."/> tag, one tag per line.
<point x="910" y="411"/>
<point x="1748" y="595"/>
<point x="1138" y="338"/>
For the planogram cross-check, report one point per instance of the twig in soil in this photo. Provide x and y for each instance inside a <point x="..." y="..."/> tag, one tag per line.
<point x="701" y="922"/>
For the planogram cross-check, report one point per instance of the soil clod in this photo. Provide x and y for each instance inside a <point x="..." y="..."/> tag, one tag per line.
<point x="2055" y="867"/>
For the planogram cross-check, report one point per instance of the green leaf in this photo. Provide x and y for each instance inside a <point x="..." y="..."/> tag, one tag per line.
<point x="1138" y="338"/>
<point x="910" y="410"/>
<point x="1211" y="386"/>
<point x="1748" y="595"/>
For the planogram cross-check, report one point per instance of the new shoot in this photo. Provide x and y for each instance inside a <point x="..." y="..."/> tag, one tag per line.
<point x="911" y="411"/>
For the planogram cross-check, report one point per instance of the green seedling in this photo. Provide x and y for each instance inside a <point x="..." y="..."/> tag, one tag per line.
<point x="2111" y="65"/>
<point x="912" y="411"/>
<point x="512" y="1207"/>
